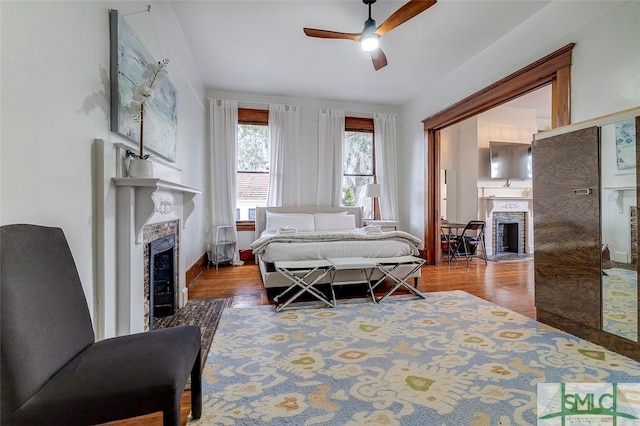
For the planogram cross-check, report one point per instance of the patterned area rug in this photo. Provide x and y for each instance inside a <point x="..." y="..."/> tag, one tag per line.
<point x="452" y="359"/>
<point x="620" y="302"/>
<point x="205" y="313"/>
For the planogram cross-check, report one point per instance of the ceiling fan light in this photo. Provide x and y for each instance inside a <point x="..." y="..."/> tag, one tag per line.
<point x="369" y="42"/>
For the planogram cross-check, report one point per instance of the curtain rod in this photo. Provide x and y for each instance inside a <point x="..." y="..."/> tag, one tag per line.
<point x="361" y="114"/>
<point x="250" y="104"/>
<point x="253" y="103"/>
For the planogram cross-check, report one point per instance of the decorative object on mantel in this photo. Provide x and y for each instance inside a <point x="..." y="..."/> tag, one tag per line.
<point x="139" y="165"/>
<point x="130" y="61"/>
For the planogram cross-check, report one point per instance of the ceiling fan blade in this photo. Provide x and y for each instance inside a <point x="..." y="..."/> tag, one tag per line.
<point x="379" y="59"/>
<point x="312" y="32"/>
<point x="406" y="12"/>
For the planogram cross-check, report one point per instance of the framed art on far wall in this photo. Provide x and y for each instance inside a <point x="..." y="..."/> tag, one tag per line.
<point x="129" y="59"/>
<point x="625" y="144"/>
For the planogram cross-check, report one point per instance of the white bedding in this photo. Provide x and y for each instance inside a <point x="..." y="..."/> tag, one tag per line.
<point x="323" y="245"/>
<point x="325" y="219"/>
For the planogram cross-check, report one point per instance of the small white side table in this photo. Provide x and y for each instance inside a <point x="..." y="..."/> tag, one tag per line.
<point x="221" y="244"/>
<point x="385" y="225"/>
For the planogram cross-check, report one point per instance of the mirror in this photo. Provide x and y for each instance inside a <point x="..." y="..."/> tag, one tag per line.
<point x="619" y="229"/>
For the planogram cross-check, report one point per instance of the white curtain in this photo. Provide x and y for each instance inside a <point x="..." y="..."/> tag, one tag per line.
<point x="385" y="143"/>
<point x="223" y="118"/>
<point x="330" y="146"/>
<point x="284" y="163"/>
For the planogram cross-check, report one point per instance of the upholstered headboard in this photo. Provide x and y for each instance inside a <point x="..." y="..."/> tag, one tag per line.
<point x="261" y="214"/>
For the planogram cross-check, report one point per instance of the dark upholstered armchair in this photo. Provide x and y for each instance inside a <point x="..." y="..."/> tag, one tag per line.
<point x="53" y="371"/>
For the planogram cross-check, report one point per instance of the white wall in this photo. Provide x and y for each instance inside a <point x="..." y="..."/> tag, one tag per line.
<point x="55" y="102"/>
<point x="468" y="177"/>
<point x="505" y="124"/>
<point x="308" y="134"/>
<point x="461" y="146"/>
<point x="605" y="78"/>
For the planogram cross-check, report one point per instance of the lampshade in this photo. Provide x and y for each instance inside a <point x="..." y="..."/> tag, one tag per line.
<point x="369" y="42"/>
<point x="372" y="190"/>
<point x="369" y="38"/>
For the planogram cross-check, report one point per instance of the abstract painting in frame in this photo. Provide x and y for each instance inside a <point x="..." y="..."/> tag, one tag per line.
<point x="625" y="132"/>
<point x="129" y="59"/>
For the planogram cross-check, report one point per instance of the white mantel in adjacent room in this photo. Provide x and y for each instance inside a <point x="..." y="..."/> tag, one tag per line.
<point x="494" y="204"/>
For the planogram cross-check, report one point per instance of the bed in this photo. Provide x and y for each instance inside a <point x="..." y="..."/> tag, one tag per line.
<point x="319" y="233"/>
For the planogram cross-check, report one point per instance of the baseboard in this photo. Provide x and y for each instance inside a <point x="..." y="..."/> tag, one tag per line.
<point x="196" y="269"/>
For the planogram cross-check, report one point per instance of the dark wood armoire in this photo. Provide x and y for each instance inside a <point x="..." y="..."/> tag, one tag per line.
<point x="568" y="234"/>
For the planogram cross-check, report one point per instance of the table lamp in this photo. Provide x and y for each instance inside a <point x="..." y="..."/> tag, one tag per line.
<point x="372" y="190"/>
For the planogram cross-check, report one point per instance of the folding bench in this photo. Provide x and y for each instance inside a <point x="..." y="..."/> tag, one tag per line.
<point x="389" y="266"/>
<point x="367" y="266"/>
<point x="304" y="275"/>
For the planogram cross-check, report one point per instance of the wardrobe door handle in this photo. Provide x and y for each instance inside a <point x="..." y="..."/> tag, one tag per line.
<point x="585" y="191"/>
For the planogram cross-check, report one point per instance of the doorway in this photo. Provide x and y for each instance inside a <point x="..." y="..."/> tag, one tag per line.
<point x="554" y="70"/>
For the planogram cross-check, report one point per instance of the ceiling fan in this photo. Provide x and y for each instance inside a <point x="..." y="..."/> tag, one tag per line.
<point x="370" y="34"/>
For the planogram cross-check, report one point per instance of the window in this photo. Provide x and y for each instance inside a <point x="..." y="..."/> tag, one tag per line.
<point x="358" y="164"/>
<point x="252" y="162"/>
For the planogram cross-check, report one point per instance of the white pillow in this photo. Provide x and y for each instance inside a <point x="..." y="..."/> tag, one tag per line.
<point x="334" y="222"/>
<point x="302" y="222"/>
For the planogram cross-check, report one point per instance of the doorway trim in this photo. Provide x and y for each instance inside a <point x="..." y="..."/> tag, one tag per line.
<point x="553" y="69"/>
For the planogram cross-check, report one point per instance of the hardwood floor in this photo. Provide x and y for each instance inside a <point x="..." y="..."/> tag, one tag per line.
<point x="508" y="284"/>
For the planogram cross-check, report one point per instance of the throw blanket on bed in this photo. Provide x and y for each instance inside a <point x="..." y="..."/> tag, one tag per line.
<point x="261" y="244"/>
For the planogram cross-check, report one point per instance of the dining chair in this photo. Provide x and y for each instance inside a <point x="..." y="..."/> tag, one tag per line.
<point x="447" y="243"/>
<point x="471" y="241"/>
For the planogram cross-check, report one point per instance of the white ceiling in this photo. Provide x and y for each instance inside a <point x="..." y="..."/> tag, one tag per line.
<point x="259" y="47"/>
<point x="540" y="100"/>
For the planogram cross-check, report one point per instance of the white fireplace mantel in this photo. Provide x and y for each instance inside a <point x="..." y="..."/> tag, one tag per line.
<point x="490" y="205"/>
<point x="505" y="204"/>
<point x="618" y="194"/>
<point x="141" y="202"/>
<point x="151" y="197"/>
